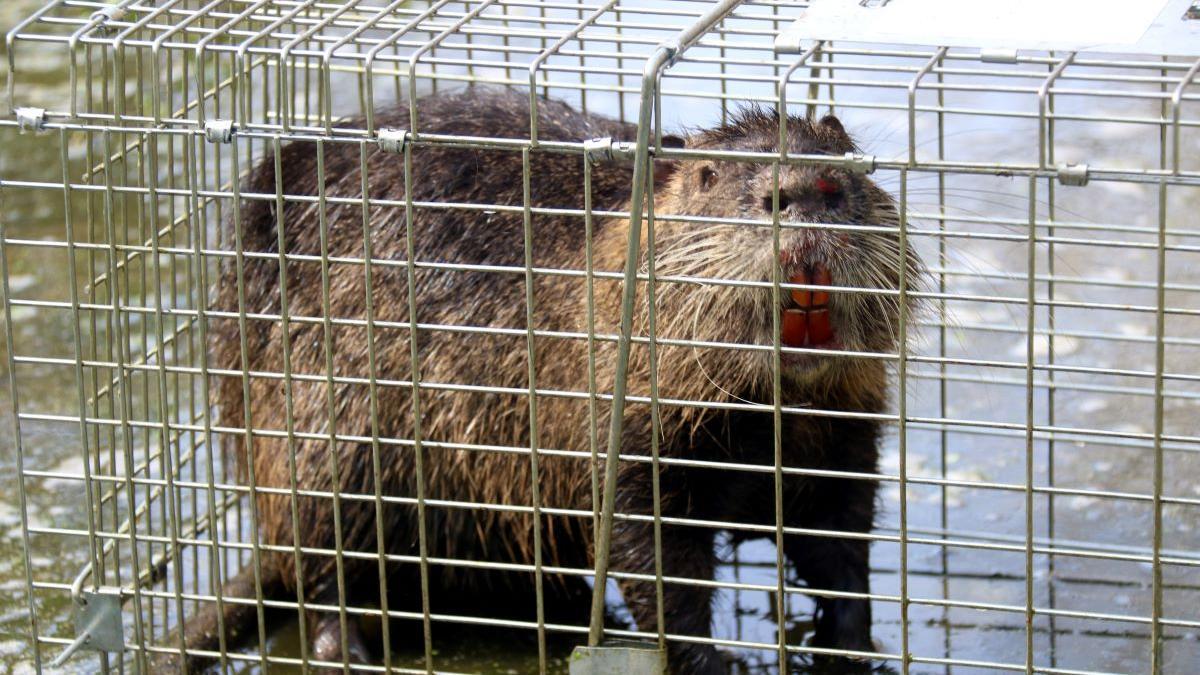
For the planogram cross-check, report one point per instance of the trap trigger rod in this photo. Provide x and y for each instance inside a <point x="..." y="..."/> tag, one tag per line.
<point x="664" y="56"/>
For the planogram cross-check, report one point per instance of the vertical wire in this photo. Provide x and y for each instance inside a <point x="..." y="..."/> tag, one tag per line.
<point x="231" y="556"/>
<point x="504" y="39"/>
<point x="542" y="41"/>
<point x="829" y="84"/>
<point x="96" y="233"/>
<point x="777" y="411"/>
<point x="218" y="168"/>
<point x="471" y="78"/>
<point x="534" y="472"/>
<point x="722" y="79"/>
<point x="655" y="410"/>
<point x="331" y="401"/>
<point x="1164" y="109"/>
<point x="125" y="403"/>
<point x="186" y="409"/>
<point x="1046" y="128"/>
<point x="1160" y="327"/>
<point x="93" y="347"/>
<point x="618" y="29"/>
<point x="1051" y="417"/>
<point x="582" y="60"/>
<point x="169" y="468"/>
<point x="1030" y="326"/>
<point x="18" y="445"/>
<point x="943" y="434"/>
<point x="902" y="397"/>
<point x="902" y="419"/>
<point x="593" y="398"/>
<point x="415" y="365"/>
<point x="289" y="403"/>
<point x="373" y="396"/>
<point x="781" y="107"/>
<point x="239" y="258"/>
<point x="1156" y="636"/>
<point x="199" y="235"/>
<point x="77" y="338"/>
<point x="133" y="377"/>
<point x="814" y="83"/>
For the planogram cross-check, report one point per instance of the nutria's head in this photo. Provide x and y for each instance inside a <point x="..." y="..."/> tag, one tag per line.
<point x="833" y="253"/>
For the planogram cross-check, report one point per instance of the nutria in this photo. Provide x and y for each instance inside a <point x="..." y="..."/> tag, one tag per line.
<point x="475" y="383"/>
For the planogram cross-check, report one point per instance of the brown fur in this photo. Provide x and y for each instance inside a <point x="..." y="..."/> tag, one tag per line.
<point x="501" y="420"/>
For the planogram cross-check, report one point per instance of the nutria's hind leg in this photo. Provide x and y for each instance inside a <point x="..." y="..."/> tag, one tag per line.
<point x="841" y="623"/>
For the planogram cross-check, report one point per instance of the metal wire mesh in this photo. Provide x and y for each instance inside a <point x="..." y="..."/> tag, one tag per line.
<point x="1039" y="500"/>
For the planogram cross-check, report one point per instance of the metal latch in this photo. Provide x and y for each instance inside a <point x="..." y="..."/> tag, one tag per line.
<point x="598" y="149"/>
<point x="1073" y="174"/>
<point x="618" y="657"/>
<point x="31" y="119"/>
<point x="108" y="15"/>
<point x="98" y="624"/>
<point x="605" y="149"/>
<point x="218" y="131"/>
<point x="860" y="163"/>
<point x="392" y="140"/>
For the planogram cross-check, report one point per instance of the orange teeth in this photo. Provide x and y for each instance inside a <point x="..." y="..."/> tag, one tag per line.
<point x="821" y="277"/>
<point x="819" y="329"/>
<point x="794" y="331"/>
<point x="808" y="324"/>
<point x="806" y="298"/>
<point x="802" y="298"/>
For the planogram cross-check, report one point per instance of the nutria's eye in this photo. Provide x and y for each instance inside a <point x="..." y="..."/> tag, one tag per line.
<point x="707" y="177"/>
<point x="831" y="189"/>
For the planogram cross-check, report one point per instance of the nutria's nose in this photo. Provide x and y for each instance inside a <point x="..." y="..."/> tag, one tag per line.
<point x="820" y="194"/>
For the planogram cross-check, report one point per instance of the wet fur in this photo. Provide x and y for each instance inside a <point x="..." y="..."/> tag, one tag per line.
<point x="501" y="420"/>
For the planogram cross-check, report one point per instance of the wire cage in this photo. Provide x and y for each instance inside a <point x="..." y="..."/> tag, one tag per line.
<point x="1039" y="508"/>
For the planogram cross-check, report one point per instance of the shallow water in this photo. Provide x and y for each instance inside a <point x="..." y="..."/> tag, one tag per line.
<point x="978" y="330"/>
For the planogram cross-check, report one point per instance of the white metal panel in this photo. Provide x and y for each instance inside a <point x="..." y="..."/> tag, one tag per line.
<point x="1142" y="27"/>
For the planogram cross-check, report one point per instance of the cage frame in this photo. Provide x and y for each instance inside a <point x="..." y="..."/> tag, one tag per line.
<point x="215" y="132"/>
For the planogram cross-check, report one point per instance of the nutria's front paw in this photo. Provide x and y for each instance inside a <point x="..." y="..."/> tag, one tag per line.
<point x="697" y="660"/>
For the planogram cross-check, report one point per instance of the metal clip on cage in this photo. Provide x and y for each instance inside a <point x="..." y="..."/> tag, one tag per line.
<point x="392" y="140"/>
<point x="31" y="119"/>
<point x="218" y="131"/>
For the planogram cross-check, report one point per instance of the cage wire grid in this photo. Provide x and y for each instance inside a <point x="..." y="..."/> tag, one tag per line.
<point x="1038" y="486"/>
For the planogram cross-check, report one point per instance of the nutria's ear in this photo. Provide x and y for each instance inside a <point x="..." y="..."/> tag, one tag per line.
<point x="707" y="176"/>
<point x="833" y="124"/>
<point x="665" y="168"/>
<point x="673" y="141"/>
